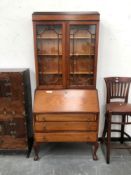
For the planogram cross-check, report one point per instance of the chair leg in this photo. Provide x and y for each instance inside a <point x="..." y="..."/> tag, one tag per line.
<point x="104" y="130"/>
<point x="122" y="129"/>
<point x="108" y="138"/>
<point x="36" y="150"/>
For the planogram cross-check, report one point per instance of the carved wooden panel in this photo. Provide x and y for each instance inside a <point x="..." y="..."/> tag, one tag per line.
<point x="15" y="109"/>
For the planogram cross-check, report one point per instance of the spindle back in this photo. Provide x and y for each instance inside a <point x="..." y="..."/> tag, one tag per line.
<point x="117" y="88"/>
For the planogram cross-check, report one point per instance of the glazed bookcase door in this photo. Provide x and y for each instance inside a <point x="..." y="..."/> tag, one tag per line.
<point x="82" y="55"/>
<point x="49" y="55"/>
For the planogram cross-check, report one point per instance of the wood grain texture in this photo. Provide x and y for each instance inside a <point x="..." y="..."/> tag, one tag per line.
<point x="66" y="117"/>
<point x="66" y="137"/>
<point x="65" y="126"/>
<point x="66" y="101"/>
<point x="63" y="112"/>
<point x="48" y="76"/>
<point x="119" y="107"/>
<point x="36" y="16"/>
<point x="10" y="142"/>
<point x="15" y="110"/>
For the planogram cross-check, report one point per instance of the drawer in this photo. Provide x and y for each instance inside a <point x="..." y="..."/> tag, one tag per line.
<point x="15" y="127"/>
<point x="7" y="116"/>
<point x="65" y="126"/>
<point x="66" y="117"/>
<point x="66" y="137"/>
<point x="9" y="142"/>
<point x="16" y="107"/>
<point x="12" y="85"/>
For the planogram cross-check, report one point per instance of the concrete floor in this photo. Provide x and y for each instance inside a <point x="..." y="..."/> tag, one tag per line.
<point x="66" y="159"/>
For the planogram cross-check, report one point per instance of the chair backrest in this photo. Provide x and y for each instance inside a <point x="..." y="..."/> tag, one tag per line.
<point x="117" y="88"/>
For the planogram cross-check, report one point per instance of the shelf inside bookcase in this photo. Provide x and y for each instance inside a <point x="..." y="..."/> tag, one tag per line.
<point x="50" y="73"/>
<point x="49" y="54"/>
<point x="76" y="55"/>
<point x="80" y="37"/>
<point x="83" y="37"/>
<point x="46" y="38"/>
<point x="82" y="73"/>
<point x="82" y="54"/>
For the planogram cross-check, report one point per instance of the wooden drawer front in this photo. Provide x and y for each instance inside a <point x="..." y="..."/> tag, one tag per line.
<point x="15" y="127"/>
<point x="66" y="117"/>
<point x="13" y="109"/>
<point x="66" y="137"/>
<point x="65" y="126"/>
<point x="9" y="142"/>
<point x="12" y="85"/>
<point x="7" y="117"/>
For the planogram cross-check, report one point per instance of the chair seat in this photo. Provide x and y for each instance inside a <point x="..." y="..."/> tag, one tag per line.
<point x="118" y="108"/>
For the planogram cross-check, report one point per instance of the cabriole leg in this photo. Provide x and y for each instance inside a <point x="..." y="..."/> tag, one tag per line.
<point x="95" y="148"/>
<point x="36" y="150"/>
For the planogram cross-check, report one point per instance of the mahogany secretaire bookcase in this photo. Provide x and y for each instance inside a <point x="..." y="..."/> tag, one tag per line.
<point x="66" y="107"/>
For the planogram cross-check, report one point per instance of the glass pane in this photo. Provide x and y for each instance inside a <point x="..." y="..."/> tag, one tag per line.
<point x="49" y="50"/>
<point x="82" y="54"/>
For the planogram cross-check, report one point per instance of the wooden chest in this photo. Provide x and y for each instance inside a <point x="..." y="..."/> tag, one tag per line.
<point x="16" y="131"/>
<point x="66" y="116"/>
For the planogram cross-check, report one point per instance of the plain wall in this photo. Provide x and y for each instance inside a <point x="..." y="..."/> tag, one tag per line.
<point x="114" y="58"/>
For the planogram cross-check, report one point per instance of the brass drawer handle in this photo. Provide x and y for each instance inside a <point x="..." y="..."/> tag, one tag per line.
<point x="13" y="133"/>
<point x="43" y="119"/>
<point x="1" y="141"/>
<point x="44" y="138"/>
<point x="40" y="118"/>
<point x="5" y="112"/>
<point x="7" y="83"/>
<point x="87" y="137"/>
<point x="44" y="127"/>
<point x="23" y="113"/>
<point x="8" y="94"/>
<point x="13" y="112"/>
<point x="12" y="124"/>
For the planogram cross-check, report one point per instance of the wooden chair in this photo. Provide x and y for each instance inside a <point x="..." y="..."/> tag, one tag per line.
<point x="117" y="104"/>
